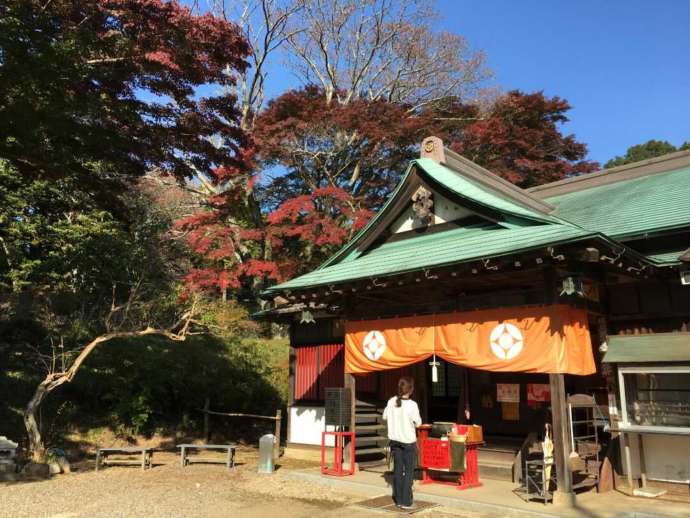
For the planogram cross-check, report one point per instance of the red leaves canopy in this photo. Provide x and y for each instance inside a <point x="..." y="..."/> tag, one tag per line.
<point x="519" y="138"/>
<point x="116" y="83"/>
<point x="337" y="162"/>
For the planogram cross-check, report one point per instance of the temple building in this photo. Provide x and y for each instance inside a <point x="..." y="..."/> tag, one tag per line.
<point x="511" y="308"/>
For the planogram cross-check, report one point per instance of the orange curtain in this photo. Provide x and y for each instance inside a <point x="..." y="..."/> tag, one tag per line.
<point x="545" y="339"/>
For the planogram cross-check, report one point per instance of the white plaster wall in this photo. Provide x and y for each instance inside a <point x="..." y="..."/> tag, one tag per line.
<point x="666" y="457"/>
<point x="306" y="425"/>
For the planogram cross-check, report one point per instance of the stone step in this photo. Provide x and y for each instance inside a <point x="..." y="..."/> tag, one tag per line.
<point x="370" y="440"/>
<point x="495" y="470"/>
<point x="364" y="452"/>
<point x="496" y="464"/>
<point x="367" y="418"/>
<point x="369" y="429"/>
<point x="371" y="463"/>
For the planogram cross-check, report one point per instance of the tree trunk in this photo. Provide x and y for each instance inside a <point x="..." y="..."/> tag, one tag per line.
<point x="36" y="446"/>
<point x="55" y="379"/>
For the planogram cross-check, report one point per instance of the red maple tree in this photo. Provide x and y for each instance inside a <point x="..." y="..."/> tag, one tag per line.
<point x="518" y="138"/>
<point x="333" y="165"/>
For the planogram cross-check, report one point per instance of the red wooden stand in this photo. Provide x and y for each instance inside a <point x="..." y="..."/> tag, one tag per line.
<point x="470" y="478"/>
<point x="435" y="456"/>
<point x="337" y="468"/>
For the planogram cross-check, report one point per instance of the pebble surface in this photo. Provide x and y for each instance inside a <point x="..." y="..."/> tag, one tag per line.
<point x="168" y="490"/>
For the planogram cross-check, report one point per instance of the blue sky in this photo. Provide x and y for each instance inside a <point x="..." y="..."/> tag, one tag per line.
<point x="624" y="65"/>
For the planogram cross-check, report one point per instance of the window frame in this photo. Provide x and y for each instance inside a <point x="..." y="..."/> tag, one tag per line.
<point x="651" y="369"/>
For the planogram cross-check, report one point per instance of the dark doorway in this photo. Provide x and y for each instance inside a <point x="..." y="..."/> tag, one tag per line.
<point x="448" y="396"/>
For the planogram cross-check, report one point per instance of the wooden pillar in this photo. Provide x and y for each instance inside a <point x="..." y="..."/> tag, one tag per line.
<point x="422" y="390"/>
<point x="349" y="382"/>
<point x="561" y="440"/>
<point x="292" y="360"/>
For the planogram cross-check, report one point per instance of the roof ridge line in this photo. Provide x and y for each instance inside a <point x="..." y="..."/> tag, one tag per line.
<point x="462" y="165"/>
<point x="651" y="166"/>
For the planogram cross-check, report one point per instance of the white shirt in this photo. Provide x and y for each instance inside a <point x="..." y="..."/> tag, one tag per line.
<point x="402" y="420"/>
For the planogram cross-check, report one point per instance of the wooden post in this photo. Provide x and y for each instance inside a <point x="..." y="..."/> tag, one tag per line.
<point x="276" y="447"/>
<point x="291" y="388"/>
<point x="207" y="407"/>
<point x="421" y="389"/>
<point x="561" y="440"/>
<point x="349" y="382"/>
<point x="643" y="466"/>
<point x="625" y="450"/>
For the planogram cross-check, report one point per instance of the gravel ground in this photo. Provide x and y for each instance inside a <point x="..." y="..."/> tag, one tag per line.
<point x="168" y="490"/>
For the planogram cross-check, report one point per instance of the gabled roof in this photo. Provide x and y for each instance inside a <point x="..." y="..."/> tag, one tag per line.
<point x="462" y="187"/>
<point x="622" y="202"/>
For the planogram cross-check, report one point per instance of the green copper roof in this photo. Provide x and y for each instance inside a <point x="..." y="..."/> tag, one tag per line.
<point x="630" y="207"/>
<point x="468" y="189"/>
<point x="664" y="258"/>
<point x="656" y="347"/>
<point x="443" y="248"/>
<point x="617" y="210"/>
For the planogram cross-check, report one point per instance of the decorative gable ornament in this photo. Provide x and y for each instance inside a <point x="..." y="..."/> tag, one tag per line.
<point x="307" y="317"/>
<point x="422" y="205"/>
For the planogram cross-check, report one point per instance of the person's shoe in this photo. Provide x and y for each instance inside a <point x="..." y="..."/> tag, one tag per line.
<point x="410" y="507"/>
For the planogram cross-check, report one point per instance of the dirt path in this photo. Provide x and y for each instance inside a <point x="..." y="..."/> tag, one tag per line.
<point x="167" y="490"/>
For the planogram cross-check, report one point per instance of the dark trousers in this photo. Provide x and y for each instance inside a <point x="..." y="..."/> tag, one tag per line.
<point x="404" y="460"/>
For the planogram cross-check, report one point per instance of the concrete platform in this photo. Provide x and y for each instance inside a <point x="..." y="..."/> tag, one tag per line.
<point x="496" y="497"/>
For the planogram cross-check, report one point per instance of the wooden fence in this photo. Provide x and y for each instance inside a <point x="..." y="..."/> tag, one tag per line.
<point x="277" y="418"/>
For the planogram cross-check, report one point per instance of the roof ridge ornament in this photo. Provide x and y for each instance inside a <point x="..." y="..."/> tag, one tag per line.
<point x="432" y="147"/>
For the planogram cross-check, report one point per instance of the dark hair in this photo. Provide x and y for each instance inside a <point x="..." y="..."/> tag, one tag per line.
<point x="405" y="386"/>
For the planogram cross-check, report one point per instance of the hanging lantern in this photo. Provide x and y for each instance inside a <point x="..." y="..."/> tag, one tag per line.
<point x="434" y="369"/>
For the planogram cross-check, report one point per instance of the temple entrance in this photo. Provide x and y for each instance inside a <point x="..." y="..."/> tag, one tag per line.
<point x="447" y="398"/>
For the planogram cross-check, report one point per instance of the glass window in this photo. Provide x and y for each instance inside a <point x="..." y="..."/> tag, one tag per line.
<point x="657" y="398"/>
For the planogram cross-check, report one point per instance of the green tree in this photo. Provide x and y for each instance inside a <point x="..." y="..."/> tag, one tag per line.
<point x="650" y="149"/>
<point x="71" y="271"/>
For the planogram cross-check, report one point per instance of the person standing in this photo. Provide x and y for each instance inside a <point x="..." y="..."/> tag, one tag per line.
<point x="402" y="417"/>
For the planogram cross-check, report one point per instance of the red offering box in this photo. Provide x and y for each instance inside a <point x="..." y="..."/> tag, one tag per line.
<point x="436" y="454"/>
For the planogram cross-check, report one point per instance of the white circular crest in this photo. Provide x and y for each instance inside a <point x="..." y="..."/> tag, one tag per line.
<point x="374" y="345"/>
<point x="506" y="341"/>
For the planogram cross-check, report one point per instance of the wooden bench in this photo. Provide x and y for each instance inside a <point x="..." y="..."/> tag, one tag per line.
<point x="184" y="448"/>
<point x="145" y="462"/>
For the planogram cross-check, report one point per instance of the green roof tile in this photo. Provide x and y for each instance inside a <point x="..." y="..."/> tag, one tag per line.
<point x="663" y="258"/>
<point x="631" y="207"/>
<point x="655" y="348"/>
<point x="434" y="250"/>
